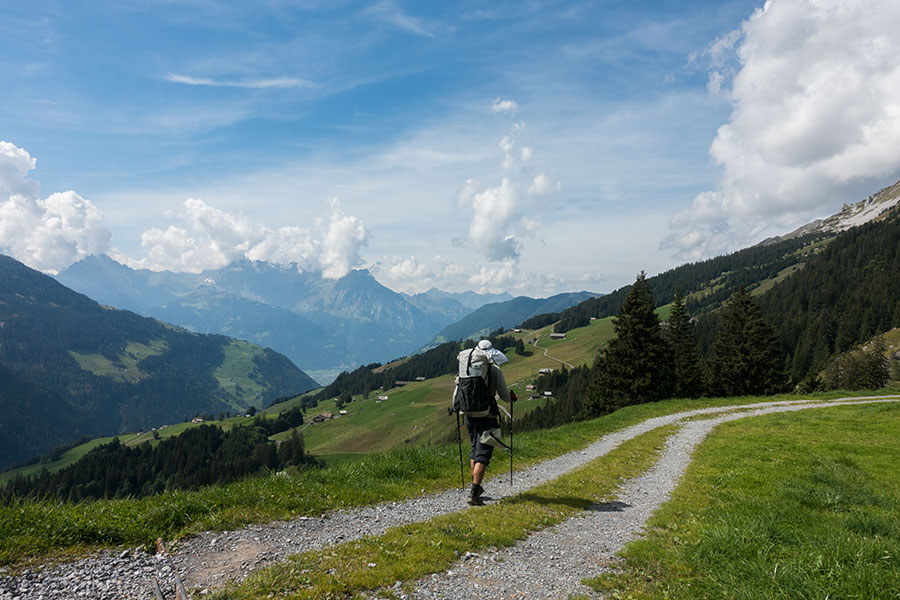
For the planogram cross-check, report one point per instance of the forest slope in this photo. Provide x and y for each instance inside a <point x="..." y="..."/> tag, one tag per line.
<point x="75" y="368"/>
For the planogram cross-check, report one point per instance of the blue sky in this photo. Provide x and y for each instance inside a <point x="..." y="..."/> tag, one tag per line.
<point x="533" y="147"/>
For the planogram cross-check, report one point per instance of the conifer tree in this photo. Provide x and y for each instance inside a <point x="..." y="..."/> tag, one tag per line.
<point x="747" y="358"/>
<point x="636" y="366"/>
<point x="688" y="374"/>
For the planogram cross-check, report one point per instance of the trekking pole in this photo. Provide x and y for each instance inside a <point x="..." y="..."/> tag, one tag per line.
<point x="158" y="590"/>
<point x="462" y="476"/>
<point x="511" y="428"/>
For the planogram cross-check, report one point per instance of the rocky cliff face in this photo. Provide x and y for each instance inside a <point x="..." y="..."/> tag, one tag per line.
<point x="872" y="208"/>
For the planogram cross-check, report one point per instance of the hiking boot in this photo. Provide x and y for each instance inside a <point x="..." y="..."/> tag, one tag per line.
<point x="475" y="495"/>
<point x="476" y="501"/>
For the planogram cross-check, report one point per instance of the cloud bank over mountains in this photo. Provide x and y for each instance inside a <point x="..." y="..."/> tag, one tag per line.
<point x="211" y="238"/>
<point x="49" y="234"/>
<point x="494" y="220"/>
<point x="815" y="121"/>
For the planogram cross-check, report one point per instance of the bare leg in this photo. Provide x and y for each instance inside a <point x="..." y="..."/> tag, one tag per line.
<point x="478" y="472"/>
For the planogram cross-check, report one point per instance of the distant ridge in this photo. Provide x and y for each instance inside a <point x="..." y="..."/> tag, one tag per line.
<point x="70" y="367"/>
<point x="508" y="314"/>
<point x="319" y="323"/>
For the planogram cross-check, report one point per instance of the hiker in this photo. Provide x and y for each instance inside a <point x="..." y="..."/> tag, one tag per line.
<point x="479" y="382"/>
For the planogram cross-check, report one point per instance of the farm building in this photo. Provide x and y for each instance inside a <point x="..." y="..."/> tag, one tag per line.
<point x="548" y="393"/>
<point x="321" y="418"/>
<point x="557" y="336"/>
<point x="530" y="387"/>
<point x="545" y="371"/>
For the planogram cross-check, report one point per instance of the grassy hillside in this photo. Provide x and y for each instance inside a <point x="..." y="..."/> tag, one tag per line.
<point x="413" y="415"/>
<point x="782" y="506"/>
<point x="34" y="528"/>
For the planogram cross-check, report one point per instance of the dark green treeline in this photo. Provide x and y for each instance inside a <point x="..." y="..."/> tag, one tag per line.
<point x="199" y="456"/>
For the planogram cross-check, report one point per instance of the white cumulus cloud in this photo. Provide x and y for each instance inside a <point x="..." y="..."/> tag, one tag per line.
<point x="211" y="238"/>
<point x="501" y="215"/>
<point x="344" y="236"/>
<point x="47" y="234"/>
<point x="413" y="275"/>
<point x="815" y="121"/>
<point x="492" y="210"/>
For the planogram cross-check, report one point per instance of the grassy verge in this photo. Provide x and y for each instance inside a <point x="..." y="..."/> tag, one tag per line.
<point x="33" y="530"/>
<point x="801" y="505"/>
<point x="412" y="551"/>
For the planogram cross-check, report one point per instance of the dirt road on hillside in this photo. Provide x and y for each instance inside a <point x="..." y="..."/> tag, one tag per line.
<point x="549" y="564"/>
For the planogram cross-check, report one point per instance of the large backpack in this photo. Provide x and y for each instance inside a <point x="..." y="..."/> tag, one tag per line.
<point x="473" y="396"/>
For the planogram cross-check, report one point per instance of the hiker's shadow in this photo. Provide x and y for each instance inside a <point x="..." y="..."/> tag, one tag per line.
<point x="572" y="502"/>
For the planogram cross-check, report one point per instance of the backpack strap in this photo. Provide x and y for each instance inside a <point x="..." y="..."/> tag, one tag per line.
<point x="469" y="362"/>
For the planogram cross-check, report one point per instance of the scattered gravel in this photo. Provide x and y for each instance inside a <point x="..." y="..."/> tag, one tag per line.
<point x="548" y="564"/>
<point x="551" y="563"/>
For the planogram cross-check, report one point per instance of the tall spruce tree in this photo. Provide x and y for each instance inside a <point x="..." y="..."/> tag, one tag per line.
<point x="747" y="357"/>
<point x="680" y="333"/>
<point x="636" y="366"/>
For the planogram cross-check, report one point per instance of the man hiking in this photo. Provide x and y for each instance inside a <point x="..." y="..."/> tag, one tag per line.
<point x="478" y="384"/>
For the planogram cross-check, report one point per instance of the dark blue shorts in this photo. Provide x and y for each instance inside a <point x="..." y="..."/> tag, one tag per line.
<point x="481" y="453"/>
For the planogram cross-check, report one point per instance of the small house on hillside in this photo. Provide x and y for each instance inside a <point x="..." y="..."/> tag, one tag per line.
<point x="545" y="371"/>
<point x="557" y="336"/>
<point x="420" y="378"/>
<point x="321" y="418"/>
<point x="400" y="383"/>
<point x="548" y="393"/>
<point x="381" y="399"/>
<point x="342" y="412"/>
<point x="530" y="387"/>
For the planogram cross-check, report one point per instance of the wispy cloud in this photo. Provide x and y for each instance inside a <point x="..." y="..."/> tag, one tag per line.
<point x="273" y="82"/>
<point x="504" y="106"/>
<point x="388" y="12"/>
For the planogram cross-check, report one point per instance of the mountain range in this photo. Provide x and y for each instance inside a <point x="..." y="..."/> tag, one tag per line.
<point x="321" y="324"/>
<point x="70" y="367"/>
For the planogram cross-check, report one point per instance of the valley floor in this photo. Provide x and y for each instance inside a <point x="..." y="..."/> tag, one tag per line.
<point x="549" y="564"/>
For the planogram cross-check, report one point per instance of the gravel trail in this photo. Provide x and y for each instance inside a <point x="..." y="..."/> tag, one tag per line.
<point x="551" y="563"/>
<point x="579" y="547"/>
